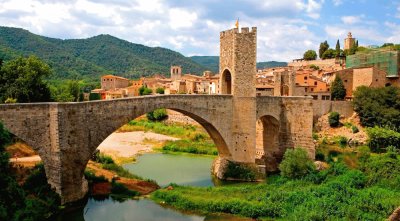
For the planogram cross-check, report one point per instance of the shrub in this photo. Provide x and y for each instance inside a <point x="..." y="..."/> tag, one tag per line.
<point x="334" y="119"/>
<point x="94" y="96"/>
<point x="103" y="159"/>
<point x="145" y="91"/>
<point x="296" y="164"/>
<point x="92" y="178"/>
<point x="354" y="129"/>
<point x="240" y="171"/>
<point x="380" y="138"/>
<point x="320" y="156"/>
<point x="315" y="136"/>
<point x="378" y="106"/>
<point x="160" y="90"/>
<point x="315" y="67"/>
<point x="157" y="115"/>
<point x="384" y="170"/>
<point x="341" y="141"/>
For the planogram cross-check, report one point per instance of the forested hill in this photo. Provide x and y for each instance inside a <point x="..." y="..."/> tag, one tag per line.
<point x="212" y="62"/>
<point x="90" y="58"/>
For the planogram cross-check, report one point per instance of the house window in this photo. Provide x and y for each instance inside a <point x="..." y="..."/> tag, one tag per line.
<point x="315" y="97"/>
<point x="305" y="89"/>
<point x="305" y="78"/>
<point x="312" y="89"/>
<point x="345" y="81"/>
<point x="315" y="83"/>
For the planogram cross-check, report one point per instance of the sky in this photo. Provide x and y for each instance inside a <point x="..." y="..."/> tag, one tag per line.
<point x="286" y="28"/>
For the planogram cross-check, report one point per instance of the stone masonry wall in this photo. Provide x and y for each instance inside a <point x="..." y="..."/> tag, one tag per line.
<point x="322" y="107"/>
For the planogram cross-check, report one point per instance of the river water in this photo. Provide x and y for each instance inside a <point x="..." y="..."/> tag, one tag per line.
<point x="163" y="168"/>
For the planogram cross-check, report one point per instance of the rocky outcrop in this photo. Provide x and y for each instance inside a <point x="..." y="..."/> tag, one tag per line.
<point x="395" y="216"/>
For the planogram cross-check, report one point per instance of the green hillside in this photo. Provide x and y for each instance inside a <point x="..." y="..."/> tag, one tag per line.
<point x="212" y="62"/>
<point x="90" y="58"/>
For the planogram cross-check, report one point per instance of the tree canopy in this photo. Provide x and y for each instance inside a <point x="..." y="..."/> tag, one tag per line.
<point x="310" y="55"/>
<point x="145" y="91"/>
<point x="337" y="48"/>
<point x="338" y="91"/>
<point x="328" y="54"/>
<point x="22" y="79"/>
<point x="322" y="48"/>
<point x="378" y="106"/>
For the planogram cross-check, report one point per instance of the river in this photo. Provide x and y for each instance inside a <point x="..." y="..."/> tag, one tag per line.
<point x="163" y="168"/>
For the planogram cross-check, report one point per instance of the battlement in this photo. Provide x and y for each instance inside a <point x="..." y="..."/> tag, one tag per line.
<point x="234" y="31"/>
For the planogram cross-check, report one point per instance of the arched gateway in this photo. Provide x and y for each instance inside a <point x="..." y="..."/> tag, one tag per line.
<point x="66" y="134"/>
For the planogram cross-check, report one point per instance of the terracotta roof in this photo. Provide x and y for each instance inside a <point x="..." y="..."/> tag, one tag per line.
<point x="113" y="76"/>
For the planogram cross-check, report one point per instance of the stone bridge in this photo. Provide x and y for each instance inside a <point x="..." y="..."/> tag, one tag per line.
<point x="65" y="135"/>
<point x="247" y="129"/>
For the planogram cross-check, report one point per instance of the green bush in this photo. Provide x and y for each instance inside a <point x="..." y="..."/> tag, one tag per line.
<point x="319" y="155"/>
<point x="103" y="159"/>
<point x="145" y="91"/>
<point x="296" y="164"/>
<point x="157" y="115"/>
<point x="94" y="96"/>
<point x="380" y="138"/>
<point x="378" y="106"/>
<point x="92" y="178"/>
<point x="315" y="67"/>
<point x="240" y="171"/>
<point x="383" y="170"/>
<point x="160" y="90"/>
<point x="341" y="141"/>
<point x="354" y="129"/>
<point x="333" y="119"/>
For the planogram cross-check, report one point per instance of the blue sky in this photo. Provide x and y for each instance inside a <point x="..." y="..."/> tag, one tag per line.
<point x="286" y="28"/>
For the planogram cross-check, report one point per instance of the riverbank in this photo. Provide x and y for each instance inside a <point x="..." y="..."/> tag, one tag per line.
<point x="368" y="192"/>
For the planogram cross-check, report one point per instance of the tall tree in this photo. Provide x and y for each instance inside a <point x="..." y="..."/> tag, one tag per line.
<point x="337" y="48"/>
<point x="22" y="79"/>
<point x="338" y="91"/>
<point x="74" y="89"/>
<point x="310" y="55"/>
<point x="322" y="48"/>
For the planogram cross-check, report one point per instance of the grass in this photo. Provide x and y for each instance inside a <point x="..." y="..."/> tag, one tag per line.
<point x="193" y="147"/>
<point x="172" y="129"/>
<point x="194" y="139"/>
<point x="338" y="193"/>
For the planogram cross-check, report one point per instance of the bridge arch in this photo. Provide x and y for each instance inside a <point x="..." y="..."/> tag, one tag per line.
<point x="110" y="125"/>
<point x="268" y="148"/>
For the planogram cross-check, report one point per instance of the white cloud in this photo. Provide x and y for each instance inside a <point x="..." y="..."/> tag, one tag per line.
<point x="337" y="2"/>
<point x="349" y="20"/>
<point x="286" y="28"/>
<point x="181" y="18"/>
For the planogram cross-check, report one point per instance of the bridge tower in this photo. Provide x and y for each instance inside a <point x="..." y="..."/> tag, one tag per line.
<point x="237" y="66"/>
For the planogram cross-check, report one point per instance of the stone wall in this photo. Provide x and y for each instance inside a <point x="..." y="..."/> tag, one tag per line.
<point x="295" y="117"/>
<point x="321" y="107"/>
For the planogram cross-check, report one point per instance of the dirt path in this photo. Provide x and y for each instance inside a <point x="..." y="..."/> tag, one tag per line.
<point x="129" y="144"/>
